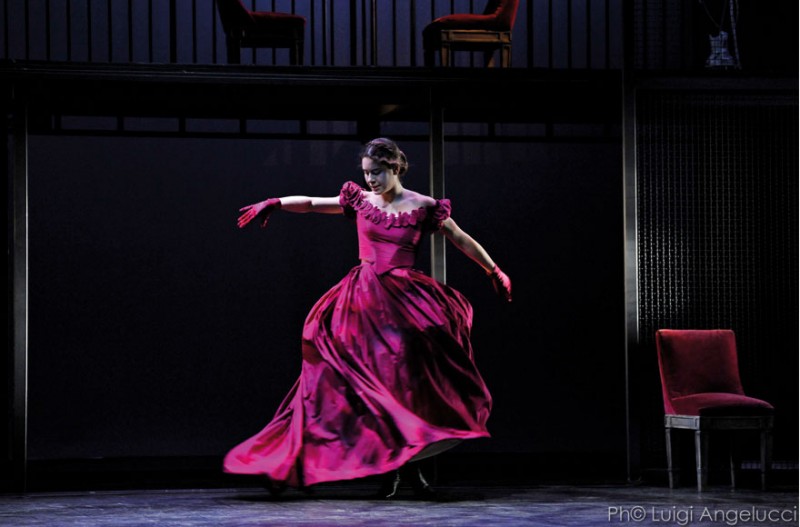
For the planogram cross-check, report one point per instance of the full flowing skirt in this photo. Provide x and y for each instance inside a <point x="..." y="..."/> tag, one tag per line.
<point x="388" y="376"/>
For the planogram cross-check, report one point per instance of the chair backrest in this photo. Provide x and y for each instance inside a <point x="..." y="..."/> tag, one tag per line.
<point x="697" y="361"/>
<point x="504" y="10"/>
<point x="233" y="15"/>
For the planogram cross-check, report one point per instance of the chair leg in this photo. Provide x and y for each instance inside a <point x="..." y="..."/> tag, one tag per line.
<point x="766" y="456"/>
<point x="733" y="457"/>
<point x="505" y="56"/>
<point x="429" y="57"/>
<point x="233" y="45"/>
<point x="295" y="53"/>
<point x="701" y="459"/>
<point x="445" y="55"/>
<point x="488" y="58"/>
<point x="670" y="466"/>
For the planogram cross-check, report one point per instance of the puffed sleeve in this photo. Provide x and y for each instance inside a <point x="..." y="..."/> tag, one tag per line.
<point x="437" y="214"/>
<point x="350" y="197"/>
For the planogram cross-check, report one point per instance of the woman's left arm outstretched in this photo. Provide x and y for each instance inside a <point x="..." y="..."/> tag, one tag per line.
<point x="476" y="252"/>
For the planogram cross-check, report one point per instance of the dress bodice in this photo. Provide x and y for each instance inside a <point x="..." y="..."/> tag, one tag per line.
<point x="387" y="240"/>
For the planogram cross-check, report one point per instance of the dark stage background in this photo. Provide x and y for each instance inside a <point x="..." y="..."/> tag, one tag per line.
<point x="160" y="329"/>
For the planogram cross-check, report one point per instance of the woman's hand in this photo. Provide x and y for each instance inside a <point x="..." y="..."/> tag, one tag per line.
<point x="501" y="282"/>
<point x="260" y="210"/>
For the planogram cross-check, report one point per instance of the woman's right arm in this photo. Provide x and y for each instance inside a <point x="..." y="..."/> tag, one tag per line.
<point x="263" y="209"/>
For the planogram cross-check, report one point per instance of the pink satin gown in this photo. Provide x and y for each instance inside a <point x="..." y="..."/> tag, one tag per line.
<point x="388" y="373"/>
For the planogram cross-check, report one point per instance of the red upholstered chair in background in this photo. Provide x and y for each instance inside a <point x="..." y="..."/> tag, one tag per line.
<point x="486" y="32"/>
<point x="703" y="392"/>
<point x="260" y="29"/>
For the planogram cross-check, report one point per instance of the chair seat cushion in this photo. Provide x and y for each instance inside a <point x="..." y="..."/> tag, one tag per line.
<point x="431" y="35"/>
<point x="718" y="404"/>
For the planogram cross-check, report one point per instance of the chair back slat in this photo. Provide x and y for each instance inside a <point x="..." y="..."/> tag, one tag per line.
<point x="504" y="10"/>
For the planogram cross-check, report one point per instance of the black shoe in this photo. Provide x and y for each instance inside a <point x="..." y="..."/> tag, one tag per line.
<point x="275" y="489"/>
<point x="390" y="486"/>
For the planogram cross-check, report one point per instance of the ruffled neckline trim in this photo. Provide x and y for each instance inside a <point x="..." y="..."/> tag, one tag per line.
<point x="373" y="213"/>
<point x="353" y="195"/>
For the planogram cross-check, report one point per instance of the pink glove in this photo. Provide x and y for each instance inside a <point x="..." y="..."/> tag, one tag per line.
<point x="501" y="282"/>
<point x="260" y="210"/>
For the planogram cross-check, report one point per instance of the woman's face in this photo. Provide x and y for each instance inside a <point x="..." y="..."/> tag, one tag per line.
<point x="379" y="178"/>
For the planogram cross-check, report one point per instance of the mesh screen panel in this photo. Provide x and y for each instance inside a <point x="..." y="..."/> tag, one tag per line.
<point x="717" y="183"/>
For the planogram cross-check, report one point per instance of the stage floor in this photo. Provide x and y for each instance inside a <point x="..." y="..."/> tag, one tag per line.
<point x="352" y="506"/>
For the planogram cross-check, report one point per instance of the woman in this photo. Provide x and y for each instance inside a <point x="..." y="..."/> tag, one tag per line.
<point x="388" y="376"/>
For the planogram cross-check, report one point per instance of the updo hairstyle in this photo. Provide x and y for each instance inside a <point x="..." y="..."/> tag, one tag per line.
<point x="387" y="153"/>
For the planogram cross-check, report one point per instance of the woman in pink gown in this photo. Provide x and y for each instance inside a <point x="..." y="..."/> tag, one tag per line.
<point x="388" y="375"/>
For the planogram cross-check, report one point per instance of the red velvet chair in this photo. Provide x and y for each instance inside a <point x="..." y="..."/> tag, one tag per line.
<point x="703" y="392"/>
<point x="260" y="29"/>
<point x="486" y="32"/>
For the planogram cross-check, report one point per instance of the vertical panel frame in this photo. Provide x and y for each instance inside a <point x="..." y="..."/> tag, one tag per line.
<point x="19" y="256"/>
<point x="436" y="179"/>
